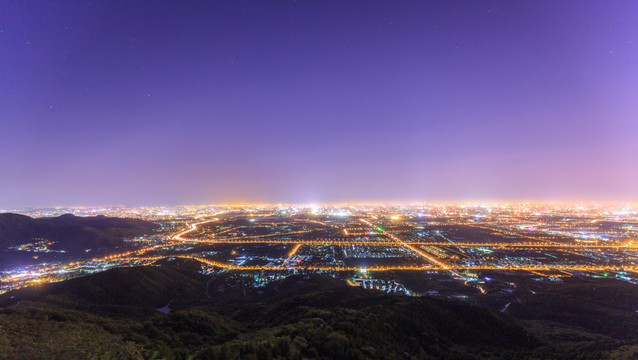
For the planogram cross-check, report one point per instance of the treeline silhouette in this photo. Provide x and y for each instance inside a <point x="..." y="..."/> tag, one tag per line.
<point x="113" y="315"/>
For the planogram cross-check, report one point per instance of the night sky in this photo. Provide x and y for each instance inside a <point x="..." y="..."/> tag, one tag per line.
<point x="178" y="102"/>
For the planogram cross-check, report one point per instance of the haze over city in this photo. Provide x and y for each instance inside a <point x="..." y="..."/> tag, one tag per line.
<point x="123" y="102"/>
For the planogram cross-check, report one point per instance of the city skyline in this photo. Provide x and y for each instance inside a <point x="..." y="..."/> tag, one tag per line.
<point x="254" y="102"/>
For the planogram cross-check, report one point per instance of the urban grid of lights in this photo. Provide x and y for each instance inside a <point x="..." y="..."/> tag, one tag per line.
<point x="423" y="236"/>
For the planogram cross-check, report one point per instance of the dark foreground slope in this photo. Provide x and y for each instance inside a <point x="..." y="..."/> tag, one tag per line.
<point x="69" y="232"/>
<point x="114" y="315"/>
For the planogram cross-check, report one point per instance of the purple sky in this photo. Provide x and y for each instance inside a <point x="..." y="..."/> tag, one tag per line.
<point x="150" y="103"/>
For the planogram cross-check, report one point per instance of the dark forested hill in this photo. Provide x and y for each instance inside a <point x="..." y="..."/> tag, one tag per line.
<point x="69" y="232"/>
<point x="313" y="316"/>
<point x="115" y="315"/>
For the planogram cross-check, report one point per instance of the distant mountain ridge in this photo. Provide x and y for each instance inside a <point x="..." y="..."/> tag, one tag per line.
<point x="69" y="232"/>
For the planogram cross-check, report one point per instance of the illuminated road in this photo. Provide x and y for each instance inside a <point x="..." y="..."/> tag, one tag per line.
<point x="532" y="245"/>
<point x="431" y="258"/>
<point x="257" y="239"/>
<point x="291" y="254"/>
<point x="192" y="228"/>
<point x="345" y="241"/>
<point x="416" y="268"/>
<point x="507" y="233"/>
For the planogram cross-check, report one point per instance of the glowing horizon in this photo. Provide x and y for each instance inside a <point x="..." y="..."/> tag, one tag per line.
<point x="486" y="203"/>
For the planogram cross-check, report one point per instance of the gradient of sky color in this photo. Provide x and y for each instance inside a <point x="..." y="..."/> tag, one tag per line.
<point x="191" y="102"/>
